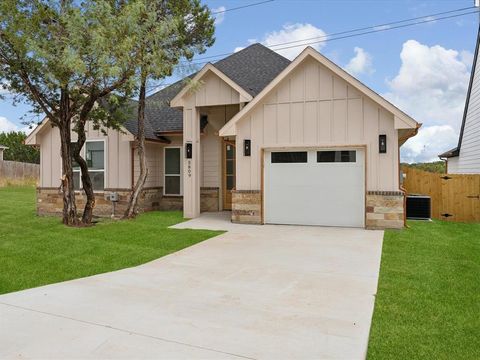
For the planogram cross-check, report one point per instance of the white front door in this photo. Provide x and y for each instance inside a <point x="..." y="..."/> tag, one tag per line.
<point x="315" y="187"/>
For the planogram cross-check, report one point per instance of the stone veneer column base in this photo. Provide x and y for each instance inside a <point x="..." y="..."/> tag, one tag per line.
<point x="247" y="206"/>
<point x="209" y="199"/>
<point x="385" y="210"/>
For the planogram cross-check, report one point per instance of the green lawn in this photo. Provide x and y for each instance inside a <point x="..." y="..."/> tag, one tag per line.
<point x="36" y="251"/>
<point x="428" y="301"/>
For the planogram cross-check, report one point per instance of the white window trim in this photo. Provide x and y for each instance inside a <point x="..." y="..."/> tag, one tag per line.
<point x="181" y="170"/>
<point x="82" y="153"/>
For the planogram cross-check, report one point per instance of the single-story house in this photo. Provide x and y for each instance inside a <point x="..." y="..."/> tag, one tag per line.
<point x="465" y="157"/>
<point x="271" y="140"/>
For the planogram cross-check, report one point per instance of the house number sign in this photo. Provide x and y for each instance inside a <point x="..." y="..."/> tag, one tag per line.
<point x="189" y="168"/>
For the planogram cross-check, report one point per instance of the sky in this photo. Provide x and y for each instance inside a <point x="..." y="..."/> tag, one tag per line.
<point x="423" y="69"/>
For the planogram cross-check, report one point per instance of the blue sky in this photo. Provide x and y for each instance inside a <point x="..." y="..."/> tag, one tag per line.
<point x="424" y="69"/>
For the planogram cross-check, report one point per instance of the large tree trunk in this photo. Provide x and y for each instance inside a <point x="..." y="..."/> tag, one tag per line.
<point x="69" y="206"/>
<point x="132" y="209"/>
<point x="86" y="181"/>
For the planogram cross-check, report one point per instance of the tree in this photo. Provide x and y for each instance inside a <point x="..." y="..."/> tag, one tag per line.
<point x="167" y="32"/>
<point x="17" y="150"/>
<point x="62" y="57"/>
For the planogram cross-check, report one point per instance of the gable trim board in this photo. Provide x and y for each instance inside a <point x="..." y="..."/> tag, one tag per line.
<point x="401" y="120"/>
<point x="177" y="101"/>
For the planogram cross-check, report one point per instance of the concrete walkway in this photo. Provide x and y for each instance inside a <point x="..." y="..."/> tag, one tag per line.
<point x="260" y="292"/>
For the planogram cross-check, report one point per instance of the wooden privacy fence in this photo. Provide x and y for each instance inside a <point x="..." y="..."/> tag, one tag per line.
<point x="14" y="170"/>
<point x="455" y="197"/>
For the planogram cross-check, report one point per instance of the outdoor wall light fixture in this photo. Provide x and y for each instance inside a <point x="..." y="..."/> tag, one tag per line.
<point x="246" y="147"/>
<point x="382" y="144"/>
<point x="188" y="150"/>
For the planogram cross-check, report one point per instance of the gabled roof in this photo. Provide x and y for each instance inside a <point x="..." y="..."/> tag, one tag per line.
<point x="244" y="96"/>
<point x="252" y="69"/>
<point x="456" y="151"/>
<point x="402" y="120"/>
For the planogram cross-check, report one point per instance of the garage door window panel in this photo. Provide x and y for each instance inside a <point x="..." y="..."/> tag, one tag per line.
<point x="284" y="157"/>
<point x="342" y="156"/>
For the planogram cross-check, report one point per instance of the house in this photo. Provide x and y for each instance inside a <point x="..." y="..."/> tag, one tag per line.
<point x="2" y="149"/>
<point x="272" y="140"/>
<point x="465" y="158"/>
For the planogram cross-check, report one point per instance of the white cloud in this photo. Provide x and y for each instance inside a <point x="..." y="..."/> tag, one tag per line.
<point x="292" y="36"/>
<point x="361" y="63"/>
<point x="6" y="125"/>
<point x="220" y="16"/>
<point x="429" y="143"/>
<point x="431" y="86"/>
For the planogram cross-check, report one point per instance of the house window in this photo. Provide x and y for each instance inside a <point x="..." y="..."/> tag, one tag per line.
<point x="289" y="157"/>
<point x="336" y="156"/>
<point x="94" y="154"/>
<point x="173" y="178"/>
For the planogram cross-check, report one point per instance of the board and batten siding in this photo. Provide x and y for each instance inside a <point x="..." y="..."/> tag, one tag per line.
<point x="118" y="157"/>
<point x="313" y="107"/>
<point x="154" y="159"/>
<point x="468" y="161"/>
<point x="211" y="144"/>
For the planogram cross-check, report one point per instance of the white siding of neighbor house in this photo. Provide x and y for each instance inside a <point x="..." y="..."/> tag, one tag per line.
<point x="118" y="157"/>
<point x="313" y="107"/>
<point x="468" y="161"/>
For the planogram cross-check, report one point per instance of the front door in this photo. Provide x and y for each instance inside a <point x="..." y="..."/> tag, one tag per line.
<point x="228" y="173"/>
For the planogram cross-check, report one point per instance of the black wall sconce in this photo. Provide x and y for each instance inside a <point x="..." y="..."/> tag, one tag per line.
<point x="382" y="144"/>
<point x="188" y="150"/>
<point x="246" y="147"/>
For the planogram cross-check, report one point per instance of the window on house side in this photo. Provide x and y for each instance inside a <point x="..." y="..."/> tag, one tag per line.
<point x="173" y="178"/>
<point x="94" y="154"/>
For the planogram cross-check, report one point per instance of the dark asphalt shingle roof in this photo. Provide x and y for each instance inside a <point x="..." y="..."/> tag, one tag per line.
<point x="252" y="68"/>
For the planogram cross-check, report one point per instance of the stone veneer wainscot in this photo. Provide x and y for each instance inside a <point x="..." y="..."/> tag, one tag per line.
<point x="247" y="206"/>
<point x="50" y="201"/>
<point x="385" y="210"/>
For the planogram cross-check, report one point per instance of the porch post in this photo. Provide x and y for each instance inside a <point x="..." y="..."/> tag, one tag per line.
<point x="191" y="166"/>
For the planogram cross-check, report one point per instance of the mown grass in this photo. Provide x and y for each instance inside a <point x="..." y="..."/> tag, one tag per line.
<point x="428" y="301"/>
<point x="36" y="251"/>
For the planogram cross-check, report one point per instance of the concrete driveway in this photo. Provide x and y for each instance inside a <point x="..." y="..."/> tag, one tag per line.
<point x="261" y="292"/>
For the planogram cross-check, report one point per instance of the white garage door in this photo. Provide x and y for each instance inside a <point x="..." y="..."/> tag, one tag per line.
<point x="315" y="187"/>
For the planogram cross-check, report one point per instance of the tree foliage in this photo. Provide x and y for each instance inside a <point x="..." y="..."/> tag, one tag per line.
<point x="62" y="57"/>
<point x="167" y="31"/>
<point x="17" y="150"/>
<point x="434" y="166"/>
<point x="65" y="57"/>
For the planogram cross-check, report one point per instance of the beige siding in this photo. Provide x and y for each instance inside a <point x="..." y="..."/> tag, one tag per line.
<point x="215" y="91"/>
<point x="313" y="107"/>
<point x="154" y="157"/>
<point x="50" y="160"/>
<point x="118" y="157"/>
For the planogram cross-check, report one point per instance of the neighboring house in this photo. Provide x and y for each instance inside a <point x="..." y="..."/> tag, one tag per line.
<point x="465" y="158"/>
<point x="2" y="149"/>
<point x="274" y="141"/>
